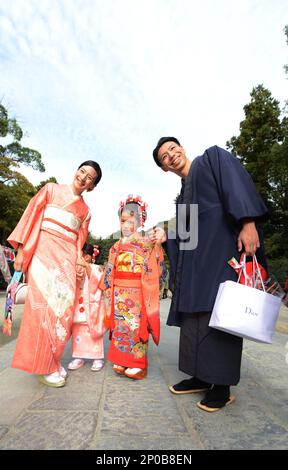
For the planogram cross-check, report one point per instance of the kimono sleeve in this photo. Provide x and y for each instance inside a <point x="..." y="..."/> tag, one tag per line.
<point x="83" y="232"/>
<point x="160" y="261"/>
<point x="107" y="277"/>
<point x="96" y="304"/>
<point x="27" y="230"/>
<point x="171" y="247"/>
<point x="29" y="219"/>
<point x="236" y="188"/>
<point x="151" y="293"/>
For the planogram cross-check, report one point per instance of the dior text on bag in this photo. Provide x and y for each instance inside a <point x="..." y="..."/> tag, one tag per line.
<point x="245" y="311"/>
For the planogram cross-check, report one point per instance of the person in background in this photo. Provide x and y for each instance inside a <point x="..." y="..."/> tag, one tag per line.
<point x="4" y="267"/>
<point x="285" y="298"/>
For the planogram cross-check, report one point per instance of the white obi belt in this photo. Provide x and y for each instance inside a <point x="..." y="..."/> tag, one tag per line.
<point x="61" y="221"/>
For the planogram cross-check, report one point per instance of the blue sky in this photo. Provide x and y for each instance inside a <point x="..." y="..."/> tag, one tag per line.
<point x="104" y="79"/>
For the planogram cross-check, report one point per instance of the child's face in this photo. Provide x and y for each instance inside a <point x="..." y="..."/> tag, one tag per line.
<point x="88" y="258"/>
<point x="128" y="224"/>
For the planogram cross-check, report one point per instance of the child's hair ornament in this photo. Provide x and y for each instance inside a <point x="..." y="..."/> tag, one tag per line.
<point x="95" y="253"/>
<point x="141" y="206"/>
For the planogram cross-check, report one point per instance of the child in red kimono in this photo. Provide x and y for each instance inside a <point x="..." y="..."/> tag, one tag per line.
<point x="131" y="278"/>
<point x="88" y="322"/>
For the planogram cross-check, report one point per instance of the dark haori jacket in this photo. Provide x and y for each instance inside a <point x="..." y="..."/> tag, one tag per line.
<point x="225" y="194"/>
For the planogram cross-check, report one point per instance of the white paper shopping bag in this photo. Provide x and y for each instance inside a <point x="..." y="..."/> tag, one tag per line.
<point x="244" y="311"/>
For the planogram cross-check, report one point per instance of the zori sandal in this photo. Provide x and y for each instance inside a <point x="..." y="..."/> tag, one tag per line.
<point x="215" y="406"/>
<point x="119" y="369"/>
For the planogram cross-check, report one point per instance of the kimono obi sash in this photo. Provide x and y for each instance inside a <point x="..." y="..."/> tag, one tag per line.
<point x="61" y="221"/>
<point x="125" y="279"/>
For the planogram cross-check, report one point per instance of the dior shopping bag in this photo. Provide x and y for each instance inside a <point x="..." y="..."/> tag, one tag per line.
<point x="245" y="311"/>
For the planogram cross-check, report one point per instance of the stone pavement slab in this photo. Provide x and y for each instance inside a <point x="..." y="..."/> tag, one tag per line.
<point x="17" y="391"/>
<point x="54" y="430"/>
<point x="105" y="411"/>
<point x="3" y="430"/>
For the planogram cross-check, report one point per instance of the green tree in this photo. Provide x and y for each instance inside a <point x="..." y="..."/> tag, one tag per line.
<point x="261" y="129"/>
<point x="52" y="179"/>
<point x="14" y="151"/>
<point x="262" y="146"/>
<point x="14" y="199"/>
<point x="104" y="245"/>
<point x="15" y="189"/>
<point x="286" y="33"/>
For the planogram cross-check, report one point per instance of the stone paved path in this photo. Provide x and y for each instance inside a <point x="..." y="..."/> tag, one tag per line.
<point x="101" y="410"/>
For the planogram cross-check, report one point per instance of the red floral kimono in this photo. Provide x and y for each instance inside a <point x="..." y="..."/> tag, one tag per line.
<point x="52" y="230"/>
<point x="132" y="273"/>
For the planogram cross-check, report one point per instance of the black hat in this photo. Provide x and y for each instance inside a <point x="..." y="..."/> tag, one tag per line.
<point x="162" y="141"/>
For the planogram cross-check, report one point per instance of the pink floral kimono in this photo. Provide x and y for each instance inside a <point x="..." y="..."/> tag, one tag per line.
<point x="88" y="322"/>
<point x="52" y="230"/>
<point x="132" y="273"/>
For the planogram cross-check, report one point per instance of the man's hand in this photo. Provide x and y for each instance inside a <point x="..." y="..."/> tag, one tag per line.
<point x="157" y="235"/>
<point x="107" y="293"/>
<point x="248" y="238"/>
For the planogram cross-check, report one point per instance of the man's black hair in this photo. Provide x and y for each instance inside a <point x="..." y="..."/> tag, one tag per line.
<point x="162" y="141"/>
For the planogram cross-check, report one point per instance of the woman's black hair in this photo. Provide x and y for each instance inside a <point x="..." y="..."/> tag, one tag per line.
<point x="96" y="167"/>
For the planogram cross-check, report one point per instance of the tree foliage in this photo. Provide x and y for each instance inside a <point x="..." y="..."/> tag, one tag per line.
<point x="286" y="33"/>
<point x="52" y="179"/>
<point x="261" y="129"/>
<point x="262" y="146"/>
<point x="104" y="245"/>
<point x="15" y="189"/>
<point x="14" y="199"/>
<point x="14" y="151"/>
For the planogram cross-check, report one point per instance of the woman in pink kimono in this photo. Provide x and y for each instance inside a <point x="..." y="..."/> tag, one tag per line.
<point x="88" y="322"/>
<point x="49" y="239"/>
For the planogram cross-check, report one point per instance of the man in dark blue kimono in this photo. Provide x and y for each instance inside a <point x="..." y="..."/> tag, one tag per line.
<point x="229" y="213"/>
